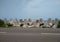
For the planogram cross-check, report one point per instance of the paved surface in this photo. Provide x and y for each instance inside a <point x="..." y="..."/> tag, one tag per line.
<point x="29" y="35"/>
<point x="30" y="30"/>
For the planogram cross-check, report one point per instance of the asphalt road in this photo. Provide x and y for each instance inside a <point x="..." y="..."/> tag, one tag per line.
<point x="29" y="35"/>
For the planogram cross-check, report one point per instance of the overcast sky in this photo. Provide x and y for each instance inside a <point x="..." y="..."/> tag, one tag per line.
<point x="33" y="9"/>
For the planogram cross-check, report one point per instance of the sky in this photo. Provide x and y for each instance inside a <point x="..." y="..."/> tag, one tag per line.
<point x="34" y="9"/>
